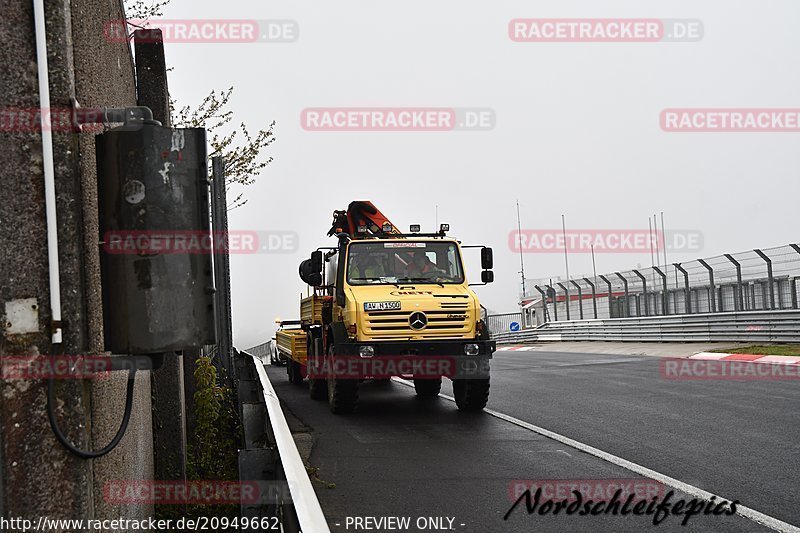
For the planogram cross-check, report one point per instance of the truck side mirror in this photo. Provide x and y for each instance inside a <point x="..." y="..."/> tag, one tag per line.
<point x="316" y="261"/>
<point x="487" y="276"/>
<point x="487" y="259"/>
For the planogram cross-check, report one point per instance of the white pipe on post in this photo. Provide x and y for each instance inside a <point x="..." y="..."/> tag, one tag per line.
<point x="49" y="170"/>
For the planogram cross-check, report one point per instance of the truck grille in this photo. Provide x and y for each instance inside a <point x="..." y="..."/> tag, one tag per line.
<point x="450" y="320"/>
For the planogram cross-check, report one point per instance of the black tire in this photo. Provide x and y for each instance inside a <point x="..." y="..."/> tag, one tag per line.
<point x="317" y="387"/>
<point x="293" y="370"/>
<point x="382" y="381"/>
<point x="428" y="388"/>
<point x="342" y="393"/>
<point x="471" y="394"/>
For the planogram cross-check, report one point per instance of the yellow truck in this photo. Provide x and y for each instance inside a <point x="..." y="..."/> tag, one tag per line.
<point x="387" y="304"/>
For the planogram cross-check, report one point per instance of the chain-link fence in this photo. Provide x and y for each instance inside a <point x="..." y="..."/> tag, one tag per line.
<point x="746" y="281"/>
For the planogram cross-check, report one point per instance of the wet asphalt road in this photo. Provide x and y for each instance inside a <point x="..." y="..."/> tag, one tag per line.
<point x="398" y="456"/>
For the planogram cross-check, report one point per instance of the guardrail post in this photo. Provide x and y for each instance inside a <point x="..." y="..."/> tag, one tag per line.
<point x="770" y="279"/>
<point x="551" y="290"/>
<point x="712" y="295"/>
<point x="664" y="296"/>
<point x="738" y="300"/>
<point x="793" y="287"/>
<point x="627" y="310"/>
<point x="566" y="297"/>
<point x="544" y="303"/>
<point x="688" y="302"/>
<point x="610" y="303"/>
<point x="580" y="297"/>
<point x="594" y="296"/>
<point x="644" y="292"/>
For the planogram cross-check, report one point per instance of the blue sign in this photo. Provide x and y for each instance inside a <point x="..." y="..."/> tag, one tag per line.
<point x="514" y="326"/>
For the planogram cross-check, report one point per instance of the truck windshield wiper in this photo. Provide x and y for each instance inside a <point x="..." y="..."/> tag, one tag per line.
<point x="422" y="280"/>
<point x="377" y="278"/>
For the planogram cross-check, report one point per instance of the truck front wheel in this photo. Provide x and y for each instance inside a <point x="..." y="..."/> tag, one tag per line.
<point x="342" y="393"/>
<point x="428" y="388"/>
<point x="471" y="394"/>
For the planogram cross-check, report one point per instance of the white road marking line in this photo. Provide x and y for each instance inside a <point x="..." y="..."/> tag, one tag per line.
<point x="741" y="510"/>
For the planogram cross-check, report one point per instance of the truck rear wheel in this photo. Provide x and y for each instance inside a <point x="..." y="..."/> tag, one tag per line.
<point x="471" y="394"/>
<point x="293" y="370"/>
<point x="342" y="393"/>
<point x="428" y="388"/>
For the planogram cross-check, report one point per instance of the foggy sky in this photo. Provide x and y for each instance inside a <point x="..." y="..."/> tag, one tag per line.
<point x="577" y="130"/>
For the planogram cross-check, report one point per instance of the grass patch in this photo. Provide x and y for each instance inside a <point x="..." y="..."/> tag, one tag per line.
<point x="777" y="349"/>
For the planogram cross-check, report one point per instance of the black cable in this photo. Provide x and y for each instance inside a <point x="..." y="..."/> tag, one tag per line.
<point x="120" y="433"/>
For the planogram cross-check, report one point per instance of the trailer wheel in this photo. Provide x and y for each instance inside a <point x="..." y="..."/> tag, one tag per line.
<point x="317" y="387"/>
<point x="428" y="388"/>
<point x="342" y="393"/>
<point x="471" y="394"/>
<point x="293" y="370"/>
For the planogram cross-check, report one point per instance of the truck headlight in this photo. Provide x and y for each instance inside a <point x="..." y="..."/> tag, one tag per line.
<point x="366" y="351"/>
<point x="472" y="349"/>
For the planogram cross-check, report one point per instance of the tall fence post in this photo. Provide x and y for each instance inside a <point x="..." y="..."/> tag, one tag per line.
<point x="627" y="310"/>
<point x="738" y="300"/>
<point x="796" y="248"/>
<point x="594" y="295"/>
<point x="566" y="297"/>
<point x="552" y="291"/>
<point x="544" y="303"/>
<point x="688" y="296"/>
<point x="222" y="281"/>
<point x="665" y="294"/>
<point x="644" y="292"/>
<point x="580" y="297"/>
<point x="610" y="303"/>
<point x="712" y="295"/>
<point x="770" y="279"/>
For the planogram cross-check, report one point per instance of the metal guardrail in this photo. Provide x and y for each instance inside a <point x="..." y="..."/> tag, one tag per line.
<point x="304" y="499"/>
<point x="502" y="322"/>
<point x="747" y="326"/>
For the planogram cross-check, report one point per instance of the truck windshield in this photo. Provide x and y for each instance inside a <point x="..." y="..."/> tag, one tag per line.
<point x="381" y="262"/>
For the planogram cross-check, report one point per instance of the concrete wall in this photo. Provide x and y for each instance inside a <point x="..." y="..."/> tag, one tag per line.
<point x="37" y="475"/>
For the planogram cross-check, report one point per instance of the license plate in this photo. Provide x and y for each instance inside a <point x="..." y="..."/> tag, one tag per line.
<point x="381" y="306"/>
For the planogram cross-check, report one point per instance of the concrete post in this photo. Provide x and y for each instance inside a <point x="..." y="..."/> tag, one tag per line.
<point x="167" y="383"/>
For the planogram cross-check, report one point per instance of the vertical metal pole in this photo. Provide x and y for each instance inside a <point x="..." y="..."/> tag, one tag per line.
<point x="665" y="294"/>
<point x="770" y="279"/>
<point x="566" y="256"/>
<point x="552" y="291"/>
<point x="737" y="297"/>
<point x="712" y="295"/>
<point x="594" y="295"/>
<point x="664" y="240"/>
<point x="644" y="292"/>
<point x="688" y="303"/>
<point x="519" y="243"/>
<point x="580" y="297"/>
<point x="566" y="296"/>
<point x="627" y="310"/>
<point x="610" y="303"/>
